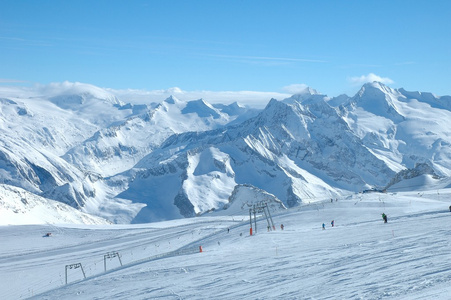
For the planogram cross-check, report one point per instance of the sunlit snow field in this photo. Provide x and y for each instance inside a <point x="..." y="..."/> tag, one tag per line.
<point x="359" y="258"/>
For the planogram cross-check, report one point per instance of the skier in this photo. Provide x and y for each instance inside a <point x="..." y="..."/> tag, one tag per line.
<point x="450" y="208"/>
<point x="281" y="226"/>
<point x="228" y="230"/>
<point x="332" y="223"/>
<point x="324" y="226"/>
<point x="384" y="217"/>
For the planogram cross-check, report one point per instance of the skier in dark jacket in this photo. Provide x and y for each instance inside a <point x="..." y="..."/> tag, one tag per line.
<point x="384" y="217"/>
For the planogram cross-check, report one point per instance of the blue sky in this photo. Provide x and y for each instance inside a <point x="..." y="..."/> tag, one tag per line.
<point x="264" y="46"/>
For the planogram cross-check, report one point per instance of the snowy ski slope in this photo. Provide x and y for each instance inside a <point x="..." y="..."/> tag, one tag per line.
<point x="359" y="258"/>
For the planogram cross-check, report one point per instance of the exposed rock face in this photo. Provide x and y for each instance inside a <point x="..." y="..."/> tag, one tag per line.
<point x="184" y="205"/>
<point x="244" y="196"/>
<point x="420" y="169"/>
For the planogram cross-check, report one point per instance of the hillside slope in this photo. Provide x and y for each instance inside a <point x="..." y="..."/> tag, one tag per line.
<point x="359" y="258"/>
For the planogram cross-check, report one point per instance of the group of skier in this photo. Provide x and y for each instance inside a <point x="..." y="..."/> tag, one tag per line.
<point x="332" y="223"/>
<point x="384" y="217"/>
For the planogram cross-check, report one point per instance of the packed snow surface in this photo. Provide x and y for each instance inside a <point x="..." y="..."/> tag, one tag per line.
<point x="359" y="258"/>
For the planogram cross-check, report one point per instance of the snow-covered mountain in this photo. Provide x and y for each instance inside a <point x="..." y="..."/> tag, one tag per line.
<point x="81" y="145"/>
<point x="19" y="207"/>
<point x="401" y="130"/>
<point x="119" y="146"/>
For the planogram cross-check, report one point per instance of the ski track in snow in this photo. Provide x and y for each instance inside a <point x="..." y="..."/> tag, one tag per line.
<point x="359" y="258"/>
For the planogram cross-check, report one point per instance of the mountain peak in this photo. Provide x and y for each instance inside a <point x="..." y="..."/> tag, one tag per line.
<point x="374" y="88"/>
<point x="234" y="109"/>
<point x="201" y="108"/>
<point x="307" y="91"/>
<point x="236" y="105"/>
<point x="308" y="94"/>
<point x="379" y="99"/>
<point x="305" y="94"/>
<point x="339" y="100"/>
<point x="67" y="94"/>
<point x="172" y="100"/>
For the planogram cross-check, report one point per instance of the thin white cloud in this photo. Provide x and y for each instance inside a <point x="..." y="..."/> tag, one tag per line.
<point x="369" y="78"/>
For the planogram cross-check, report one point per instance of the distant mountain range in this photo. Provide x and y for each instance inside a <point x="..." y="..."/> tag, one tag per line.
<point x="156" y="161"/>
